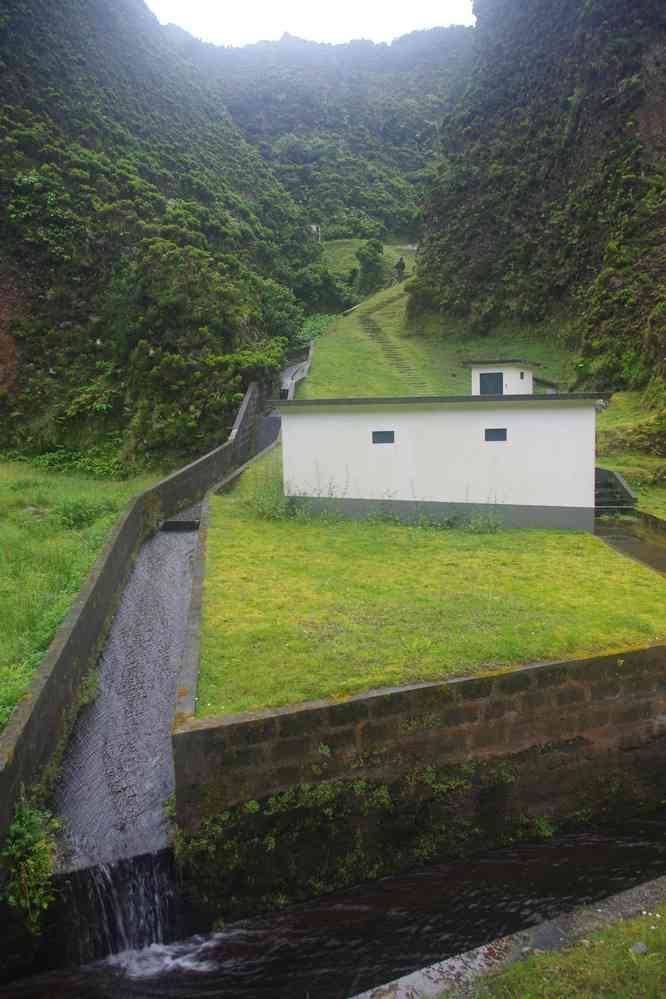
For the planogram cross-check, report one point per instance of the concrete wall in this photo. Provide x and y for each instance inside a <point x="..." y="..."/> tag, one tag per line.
<point x="513" y="383"/>
<point x="440" y="454"/>
<point x="39" y="726"/>
<point x="309" y="798"/>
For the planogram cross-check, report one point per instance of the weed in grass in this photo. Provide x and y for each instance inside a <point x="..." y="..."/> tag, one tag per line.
<point x="483" y="523"/>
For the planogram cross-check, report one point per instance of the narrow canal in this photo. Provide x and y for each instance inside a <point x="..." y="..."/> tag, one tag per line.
<point x="343" y="944"/>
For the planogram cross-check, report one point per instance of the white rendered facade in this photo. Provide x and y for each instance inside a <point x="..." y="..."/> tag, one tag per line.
<point x="449" y="453"/>
<point x="517" y="378"/>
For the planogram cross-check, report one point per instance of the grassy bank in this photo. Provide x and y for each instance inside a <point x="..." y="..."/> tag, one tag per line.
<point x="297" y="609"/>
<point x="52" y="526"/>
<point x="604" y="967"/>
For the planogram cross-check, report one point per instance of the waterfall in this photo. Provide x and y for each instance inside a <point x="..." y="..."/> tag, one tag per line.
<point x="121" y="906"/>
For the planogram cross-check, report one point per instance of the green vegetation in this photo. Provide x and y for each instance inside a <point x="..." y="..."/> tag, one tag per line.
<point x="341" y="255"/>
<point x="29" y="860"/>
<point x="550" y="195"/>
<point x="349" y="130"/>
<point x="52" y="527"/>
<point x="330" y="608"/>
<point x="621" y="446"/>
<point x="356" y="357"/>
<point x="147" y="253"/>
<point x="603" y="966"/>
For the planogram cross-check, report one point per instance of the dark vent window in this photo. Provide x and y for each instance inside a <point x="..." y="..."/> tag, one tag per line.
<point x="383" y="436"/>
<point x="522" y="376"/>
<point x="496" y="435"/>
<point x="491" y="383"/>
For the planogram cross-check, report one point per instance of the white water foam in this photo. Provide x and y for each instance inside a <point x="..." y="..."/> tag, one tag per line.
<point x="160" y="959"/>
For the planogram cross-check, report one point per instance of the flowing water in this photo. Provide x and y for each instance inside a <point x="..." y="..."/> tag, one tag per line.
<point x="343" y="944"/>
<point x="118" y="770"/>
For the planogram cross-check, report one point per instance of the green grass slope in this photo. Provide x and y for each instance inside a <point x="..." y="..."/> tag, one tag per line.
<point x="377" y="350"/>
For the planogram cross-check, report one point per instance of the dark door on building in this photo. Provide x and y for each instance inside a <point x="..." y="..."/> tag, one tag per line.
<point x="491" y="383"/>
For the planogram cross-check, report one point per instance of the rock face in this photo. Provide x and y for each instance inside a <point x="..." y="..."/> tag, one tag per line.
<point x="9" y="305"/>
<point x="550" y="198"/>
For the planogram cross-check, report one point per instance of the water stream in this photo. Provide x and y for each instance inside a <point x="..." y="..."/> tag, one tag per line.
<point x="118" y="770"/>
<point x="343" y="944"/>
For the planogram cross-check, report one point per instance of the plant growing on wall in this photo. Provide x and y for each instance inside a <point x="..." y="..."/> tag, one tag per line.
<point x="28" y="860"/>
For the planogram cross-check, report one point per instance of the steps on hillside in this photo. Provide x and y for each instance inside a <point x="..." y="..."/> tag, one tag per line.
<point x="612" y="495"/>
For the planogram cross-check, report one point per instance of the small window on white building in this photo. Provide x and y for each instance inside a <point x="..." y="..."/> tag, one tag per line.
<point x="383" y="436"/>
<point x="497" y="434"/>
<point x="522" y="376"/>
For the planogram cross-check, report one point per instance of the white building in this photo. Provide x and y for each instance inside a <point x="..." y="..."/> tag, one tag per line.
<point x="529" y="459"/>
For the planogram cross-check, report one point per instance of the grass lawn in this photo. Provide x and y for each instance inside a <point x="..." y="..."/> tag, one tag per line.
<point x="52" y="527"/>
<point x="603" y="968"/>
<point x="297" y="609"/>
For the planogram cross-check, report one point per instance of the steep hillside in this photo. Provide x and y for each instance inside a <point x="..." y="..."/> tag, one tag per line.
<point x="350" y="129"/>
<point x="147" y="254"/>
<point x="551" y="196"/>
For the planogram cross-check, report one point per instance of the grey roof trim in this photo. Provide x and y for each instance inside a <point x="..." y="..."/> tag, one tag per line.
<point x="545" y="381"/>
<point x="504" y="360"/>
<point x="415" y="400"/>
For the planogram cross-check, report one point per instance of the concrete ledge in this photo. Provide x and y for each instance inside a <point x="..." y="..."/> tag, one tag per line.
<point x="189" y="673"/>
<point x="507" y="515"/>
<point x="455" y="976"/>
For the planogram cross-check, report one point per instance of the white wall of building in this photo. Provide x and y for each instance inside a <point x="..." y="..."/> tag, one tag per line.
<point x="513" y="383"/>
<point x="440" y="453"/>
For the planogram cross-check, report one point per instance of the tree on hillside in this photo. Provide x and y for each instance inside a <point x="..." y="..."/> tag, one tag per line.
<point x="370" y="256"/>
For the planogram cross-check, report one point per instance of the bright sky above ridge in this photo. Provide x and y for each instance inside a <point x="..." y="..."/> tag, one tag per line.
<point x="250" y="21"/>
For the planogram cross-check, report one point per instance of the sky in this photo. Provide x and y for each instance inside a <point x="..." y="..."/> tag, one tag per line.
<point x="245" y="21"/>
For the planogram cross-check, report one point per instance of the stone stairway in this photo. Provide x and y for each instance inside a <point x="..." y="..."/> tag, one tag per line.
<point x="612" y="495"/>
<point x="392" y="350"/>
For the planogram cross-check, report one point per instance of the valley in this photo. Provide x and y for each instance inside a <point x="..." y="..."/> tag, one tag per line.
<point x="225" y="699"/>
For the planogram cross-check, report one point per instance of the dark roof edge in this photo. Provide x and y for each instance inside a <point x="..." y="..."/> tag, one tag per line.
<point x="502" y="360"/>
<point x="433" y="399"/>
<point x="545" y="381"/>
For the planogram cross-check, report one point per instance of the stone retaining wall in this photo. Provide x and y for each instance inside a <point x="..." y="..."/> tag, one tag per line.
<point x="38" y="728"/>
<point x="290" y="803"/>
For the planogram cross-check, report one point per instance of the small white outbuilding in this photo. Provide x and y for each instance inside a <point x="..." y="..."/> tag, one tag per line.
<point x="529" y="459"/>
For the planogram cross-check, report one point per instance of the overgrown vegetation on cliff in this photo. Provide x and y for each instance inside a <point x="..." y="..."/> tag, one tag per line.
<point x="550" y="199"/>
<point x="149" y="260"/>
<point x="350" y="130"/>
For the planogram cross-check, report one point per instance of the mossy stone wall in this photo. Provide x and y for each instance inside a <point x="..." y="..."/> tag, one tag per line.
<point x="282" y="806"/>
